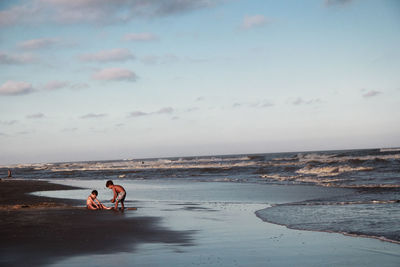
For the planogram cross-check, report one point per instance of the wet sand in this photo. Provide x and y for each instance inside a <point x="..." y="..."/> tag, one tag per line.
<point x="41" y="230"/>
<point x="177" y="224"/>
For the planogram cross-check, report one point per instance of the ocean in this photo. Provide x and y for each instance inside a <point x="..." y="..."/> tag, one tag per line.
<point x="370" y="208"/>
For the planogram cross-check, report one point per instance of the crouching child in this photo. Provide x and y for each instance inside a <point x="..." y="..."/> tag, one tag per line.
<point x="119" y="194"/>
<point x="92" y="203"/>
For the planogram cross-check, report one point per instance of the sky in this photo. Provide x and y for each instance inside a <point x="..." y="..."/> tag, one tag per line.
<point x="123" y="79"/>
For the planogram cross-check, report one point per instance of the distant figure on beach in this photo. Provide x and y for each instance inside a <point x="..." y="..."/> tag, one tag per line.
<point x="92" y="203"/>
<point x="9" y="174"/>
<point x="119" y="194"/>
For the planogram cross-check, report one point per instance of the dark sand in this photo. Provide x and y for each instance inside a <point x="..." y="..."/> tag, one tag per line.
<point x="38" y="230"/>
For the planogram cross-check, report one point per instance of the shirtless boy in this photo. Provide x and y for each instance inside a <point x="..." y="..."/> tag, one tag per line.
<point x="92" y="203"/>
<point x="119" y="194"/>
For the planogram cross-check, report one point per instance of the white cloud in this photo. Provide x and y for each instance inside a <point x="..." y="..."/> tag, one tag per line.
<point x="17" y="14"/>
<point x="16" y="88"/>
<point x="267" y="104"/>
<point x="35" y="116"/>
<point x="263" y="104"/>
<point x="300" y="101"/>
<point x="115" y="74"/>
<point x="250" y="22"/>
<point x="96" y="11"/>
<point x="142" y="37"/>
<point x="137" y="114"/>
<point x="236" y="105"/>
<point x="166" y="110"/>
<point x="109" y="56"/>
<point x="54" y="85"/>
<point x="6" y="58"/>
<point x="38" y="43"/>
<point x="165" y="59"/>
<point x="93" y="116"/>
<point x="371" y="93"/>
<point x="191" y="109"/>
<point x="12" y="122"/>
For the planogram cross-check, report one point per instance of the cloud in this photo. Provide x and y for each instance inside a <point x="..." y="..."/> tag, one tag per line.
<point x="137" y="113"/>
<point x="140" y="37"/>
<point x="299" y="101"/>
<point x="35" y="116"/>
<point x="115" y="74"/>
<point x="263" y="104"/>
<point x="337" y="2"/>
<point x="78" y="86"/>
<point x="34" y="44"/>
<point x="12" y="122"/>
<point x="6" y="58"/>
<point x="250" y="22"/>
<point x="371" y="93"/>
<point x="267" y="104"/>
<point x="165" y="59"/>
<point x="17" y="14"/>
<point x="93" y="116"/>
<point x="236" y="105"/>
<point x="192" y="109"/>
<point x="96" y="11"/>
<point x="109" y="56"/>
<point x="167" y="110"/>
<point x="56" y="85"/>
<point x="16" y="88"/>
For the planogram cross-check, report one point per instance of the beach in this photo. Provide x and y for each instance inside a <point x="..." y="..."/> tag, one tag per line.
<point x="177" y="223"/>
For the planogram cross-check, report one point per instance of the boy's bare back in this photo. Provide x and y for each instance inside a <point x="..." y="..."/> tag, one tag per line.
<point x="118" y="189"/>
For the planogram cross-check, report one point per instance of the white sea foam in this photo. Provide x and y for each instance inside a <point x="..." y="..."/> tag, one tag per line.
<point x="305" y="158"/>
<point x="389" y="149"/>
<point x="302" y="179"/>
<point x="278" y="177"/>
<point x="331" y="171"/>
<point x="150" y="164"/>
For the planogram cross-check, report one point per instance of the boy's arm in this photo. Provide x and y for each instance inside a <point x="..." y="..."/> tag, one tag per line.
<point x="92" y="205"/>
<point x="115" y="195"/>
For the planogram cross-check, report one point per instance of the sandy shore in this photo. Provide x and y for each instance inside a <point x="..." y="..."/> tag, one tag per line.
<point x="41" y="230"/>
<point x="177" y="223"/>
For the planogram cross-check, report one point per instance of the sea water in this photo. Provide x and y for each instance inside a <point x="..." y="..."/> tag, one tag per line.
<point x="370" y="205"/>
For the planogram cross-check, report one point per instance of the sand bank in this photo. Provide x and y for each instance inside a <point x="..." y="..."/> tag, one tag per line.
<point x="41" y="230"/>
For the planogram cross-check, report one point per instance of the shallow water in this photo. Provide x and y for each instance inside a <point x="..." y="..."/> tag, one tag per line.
<point x="373" y="174"/>
<point x="226" y="230"/>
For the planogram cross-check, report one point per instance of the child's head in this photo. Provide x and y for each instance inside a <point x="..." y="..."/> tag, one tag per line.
<point x="94" y="194"/>
<point x="109" y="183"/>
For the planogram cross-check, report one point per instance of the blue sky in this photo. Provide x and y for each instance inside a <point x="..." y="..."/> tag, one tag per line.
<point x="98" y="79"/>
